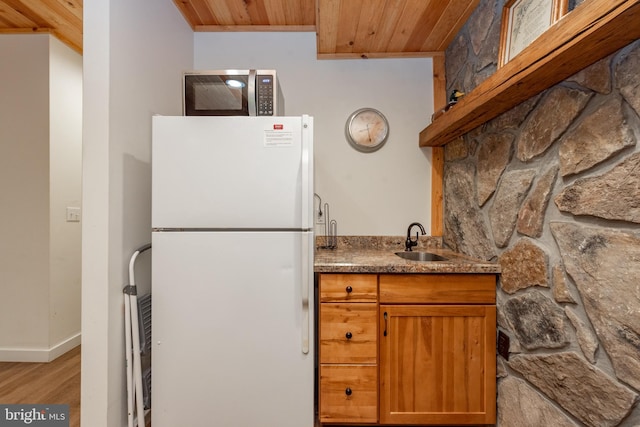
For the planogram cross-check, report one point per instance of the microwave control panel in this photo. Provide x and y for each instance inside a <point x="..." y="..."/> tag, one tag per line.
<point x="264" y="95"/>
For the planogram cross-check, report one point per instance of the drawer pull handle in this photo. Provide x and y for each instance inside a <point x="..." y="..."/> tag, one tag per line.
<point x="385" y="324"/>
<point x="348" y="335"/>
<point x="348" y="391"/>
<point x="349" y="289"/>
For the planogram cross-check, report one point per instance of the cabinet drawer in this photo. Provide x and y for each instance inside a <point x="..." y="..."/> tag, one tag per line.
<point x="438" y="288"/>
<point x="348" y="333"/>
<point x="348" y="287"/>
<point x="348" y="394"/>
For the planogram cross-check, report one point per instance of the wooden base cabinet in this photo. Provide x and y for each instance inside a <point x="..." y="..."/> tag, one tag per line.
<point x="432" y="362"/>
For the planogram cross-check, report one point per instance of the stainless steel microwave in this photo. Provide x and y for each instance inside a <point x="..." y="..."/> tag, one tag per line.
<point x="232" y="93"/>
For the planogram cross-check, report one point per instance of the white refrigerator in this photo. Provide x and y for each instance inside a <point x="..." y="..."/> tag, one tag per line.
<point x="232" y="272"/>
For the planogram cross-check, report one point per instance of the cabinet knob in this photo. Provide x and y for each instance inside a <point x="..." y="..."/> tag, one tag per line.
<point x="349" y="289"/>
<point x="348" y="335"/>
<point x="348" y="391"/>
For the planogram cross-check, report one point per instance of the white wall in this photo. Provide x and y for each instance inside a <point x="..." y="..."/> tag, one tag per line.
<point x="377" y="193"/>
<point x="65" y="148"/>
<point x="24" y="195"/>
<point x="134" y="53"/>
<point x="40" y="82"/>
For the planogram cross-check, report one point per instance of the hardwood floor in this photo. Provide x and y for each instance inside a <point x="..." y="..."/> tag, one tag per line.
<point x="57" y="382"/>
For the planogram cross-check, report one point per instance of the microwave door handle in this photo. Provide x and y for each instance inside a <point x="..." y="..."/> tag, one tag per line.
<point x="251" y="93"/>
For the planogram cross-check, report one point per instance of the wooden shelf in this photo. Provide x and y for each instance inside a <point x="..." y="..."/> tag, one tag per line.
<point x="589" y="33"/>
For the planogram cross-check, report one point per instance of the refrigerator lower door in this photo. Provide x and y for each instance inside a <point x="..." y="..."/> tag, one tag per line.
<point x="228" y="319"/>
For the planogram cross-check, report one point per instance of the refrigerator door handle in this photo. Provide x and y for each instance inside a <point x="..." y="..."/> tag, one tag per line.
<point x="307" y="274"/>
<point x="307" y="224"/>
<point x="307" y="173"/>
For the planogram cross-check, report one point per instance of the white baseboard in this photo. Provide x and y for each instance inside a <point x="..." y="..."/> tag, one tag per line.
<point x="37" y="354"/>
<point x="64" y="346"/>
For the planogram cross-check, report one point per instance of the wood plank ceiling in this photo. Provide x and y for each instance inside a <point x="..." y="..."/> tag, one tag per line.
<point x="62" y="18"/>
<point x="344" y="28"/>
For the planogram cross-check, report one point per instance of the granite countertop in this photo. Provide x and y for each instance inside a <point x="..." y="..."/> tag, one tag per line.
<point x="376" y="254"/>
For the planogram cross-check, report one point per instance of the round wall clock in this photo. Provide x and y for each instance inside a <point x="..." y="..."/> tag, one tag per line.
<point x="367" y="130"/>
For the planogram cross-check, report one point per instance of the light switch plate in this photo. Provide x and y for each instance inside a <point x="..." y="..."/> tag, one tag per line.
<point x="73" y="214"/>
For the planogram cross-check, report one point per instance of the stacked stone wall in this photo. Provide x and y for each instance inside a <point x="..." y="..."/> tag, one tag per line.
<point x="551" y="191"/>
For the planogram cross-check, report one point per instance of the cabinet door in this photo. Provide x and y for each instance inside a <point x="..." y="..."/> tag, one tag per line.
<point x="437" y="364"/>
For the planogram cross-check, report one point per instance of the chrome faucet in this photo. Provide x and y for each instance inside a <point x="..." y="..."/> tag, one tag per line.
<point x="411" y="243"/>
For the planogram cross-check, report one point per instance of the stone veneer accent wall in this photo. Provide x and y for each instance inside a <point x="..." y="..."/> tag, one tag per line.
<point x="551" y="190"/>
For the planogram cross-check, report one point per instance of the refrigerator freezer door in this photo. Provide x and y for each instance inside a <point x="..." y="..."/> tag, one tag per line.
<point x="232" y="172"/>
<point x="227" y="330"/>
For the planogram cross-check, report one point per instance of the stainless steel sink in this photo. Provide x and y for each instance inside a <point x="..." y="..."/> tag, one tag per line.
<point x="420" y="256"/>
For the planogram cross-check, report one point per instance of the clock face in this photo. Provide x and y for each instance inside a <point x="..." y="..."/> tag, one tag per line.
<point x="367" y="129"/>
